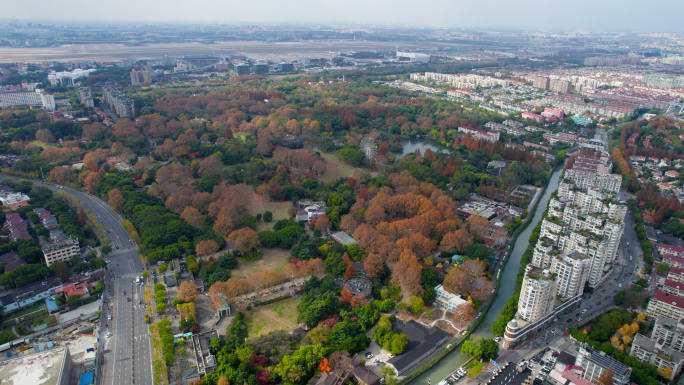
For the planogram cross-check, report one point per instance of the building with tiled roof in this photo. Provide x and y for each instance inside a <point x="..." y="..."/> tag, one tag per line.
<point x="674" y="288"/>
<point x="665" y="304"/>
<point x="676" y="274"/>
<point x="673" y="261"/>
<point x="671" y="250"/>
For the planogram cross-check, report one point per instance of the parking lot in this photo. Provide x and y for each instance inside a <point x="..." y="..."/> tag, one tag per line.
<point x="380" y="355"/>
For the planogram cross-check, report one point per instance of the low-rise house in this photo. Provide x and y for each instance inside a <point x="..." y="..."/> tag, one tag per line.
<point x="447" y="301"/>
<point x="14" y="200"/>
<point x="14" y="299"/>
<point x="206" y="362"/>
<point x="364" y="375"/>
<point x="309" y="211"/>
<point x="516" y="211"/>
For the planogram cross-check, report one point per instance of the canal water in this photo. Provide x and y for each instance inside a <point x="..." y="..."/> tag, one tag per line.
<point x="507" y="286"/>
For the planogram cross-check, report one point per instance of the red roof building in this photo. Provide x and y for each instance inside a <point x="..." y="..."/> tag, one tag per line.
<point x="676" y="274"/>
<point x="671" y="250"/>
<point x="665" y="304"/>
<point x="673" y="261"/>
<point x="674" y="288"/>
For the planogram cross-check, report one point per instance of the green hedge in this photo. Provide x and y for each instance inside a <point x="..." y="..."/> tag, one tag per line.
<point x="272" y="300"/>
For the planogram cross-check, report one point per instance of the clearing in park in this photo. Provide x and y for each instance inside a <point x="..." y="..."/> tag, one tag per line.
<point x="272" y="317"/>
<point x="273" y="259"/>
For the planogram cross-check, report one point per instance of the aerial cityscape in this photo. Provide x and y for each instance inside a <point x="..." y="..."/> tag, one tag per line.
<point x="486" y="194"/>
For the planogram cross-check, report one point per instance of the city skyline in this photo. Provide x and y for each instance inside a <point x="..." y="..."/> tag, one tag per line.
<point x="608" y="15"/>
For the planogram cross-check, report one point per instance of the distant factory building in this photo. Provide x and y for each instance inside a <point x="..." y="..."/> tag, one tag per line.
<point x="261" y="69"/>
<point x="414" y="57"/>
<point x="286" y="67"/>
<point x="242" y="69"/>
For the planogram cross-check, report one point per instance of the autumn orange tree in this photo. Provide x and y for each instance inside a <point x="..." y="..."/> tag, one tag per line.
<point x="245" y="239"/>
<point x="206" y="247"/>
<point x="116" y="199"/>
<point x="468" y="280"/>
<point x="464" y="314"/>
<point x="187" y="291"/>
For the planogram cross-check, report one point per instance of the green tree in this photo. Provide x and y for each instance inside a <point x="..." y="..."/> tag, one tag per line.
<point x="162" y="268"/>
<point x="398" y="343"/>
<point x="106" y="249"/>
<point x="268" y="216"/>
<point x="268" y="238"/>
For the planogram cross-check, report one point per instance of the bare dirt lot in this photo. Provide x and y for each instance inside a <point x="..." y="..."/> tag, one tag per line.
<point x="269" y="318"/>
<point x="260" y="204"/>
<point x="273" y="259"/>
<point x="340" y="169"/>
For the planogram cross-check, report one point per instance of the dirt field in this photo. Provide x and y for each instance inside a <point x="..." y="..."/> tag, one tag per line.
<point x="270" y="318"/>
<point x="273" y="259"/>
<point x="260" y="204"/>
<point x="343" y="169"/>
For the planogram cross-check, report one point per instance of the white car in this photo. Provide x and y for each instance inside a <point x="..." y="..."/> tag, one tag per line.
<point x="109" y="317"/>
<point x="620" y="285"/>
<point x="109" y="334"/>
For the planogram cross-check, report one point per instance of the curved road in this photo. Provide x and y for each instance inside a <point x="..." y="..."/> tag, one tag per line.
<point x="128" y="351"/>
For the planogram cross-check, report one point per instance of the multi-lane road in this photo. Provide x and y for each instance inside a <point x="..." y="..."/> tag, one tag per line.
<point x="128" y="349"/>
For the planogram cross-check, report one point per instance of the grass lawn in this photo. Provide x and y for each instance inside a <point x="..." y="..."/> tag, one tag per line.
<point x="42" y="144"/>
<point x="273" y="259"/>
<point x="343" y="169"/>
<point x="273" y="317"/>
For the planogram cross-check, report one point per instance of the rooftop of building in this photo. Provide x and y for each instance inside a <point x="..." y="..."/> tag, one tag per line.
<point x="606" y="362"/>
<point x="42" y="368"/>
<point x="671" y="247"/>
<point x="69" y="242"/>
<point x="669" y="298"/>
<point x="343" y="238"/>
<point x="672" y="258"/>
<point x="669" y="323"/>
<point x="657" y="347"/>
<point x="11" y="295"/>
<point x="674" y="284"/>
<point x="420" y="340"/>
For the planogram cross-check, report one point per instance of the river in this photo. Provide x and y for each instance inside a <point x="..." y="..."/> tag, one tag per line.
<point x="507" y="286"/>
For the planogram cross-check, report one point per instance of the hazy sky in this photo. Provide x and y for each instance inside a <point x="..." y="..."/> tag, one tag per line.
<point x="644" y="15"/>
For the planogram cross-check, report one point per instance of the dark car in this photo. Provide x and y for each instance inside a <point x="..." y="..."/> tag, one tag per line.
<point x="128" y="300"/>
<point x="577" y="315"/>
<point x="607" y="297"/>
<point x="570" y="320"/>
